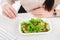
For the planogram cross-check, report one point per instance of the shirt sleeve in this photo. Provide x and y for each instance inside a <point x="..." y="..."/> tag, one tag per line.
<point x="56" y="3"/>
<point x="11" y="1"/>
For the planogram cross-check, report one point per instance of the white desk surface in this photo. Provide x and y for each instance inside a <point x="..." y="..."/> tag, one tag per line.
<point x="11" y="25"/>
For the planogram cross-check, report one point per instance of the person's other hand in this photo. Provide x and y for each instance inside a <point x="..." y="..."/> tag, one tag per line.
<point x="9" y="11"/>
<point x="40" y="12"/>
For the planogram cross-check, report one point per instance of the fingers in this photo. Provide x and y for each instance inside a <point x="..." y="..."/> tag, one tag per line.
<point x="12" y="9"/>
<point x="9" y="11"/>
<point x="38" y="15"/>
<point x="6" y="13"/>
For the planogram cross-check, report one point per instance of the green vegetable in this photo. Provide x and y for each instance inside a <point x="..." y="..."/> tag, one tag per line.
<point x="34" y="26"/>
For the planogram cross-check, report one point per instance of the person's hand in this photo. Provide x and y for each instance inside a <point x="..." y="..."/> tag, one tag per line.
<point x="9" y="11"/>
<point x="41" y="13"/>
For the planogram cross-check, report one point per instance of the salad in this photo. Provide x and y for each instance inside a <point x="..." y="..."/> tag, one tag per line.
<point x="34" y="26"/>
